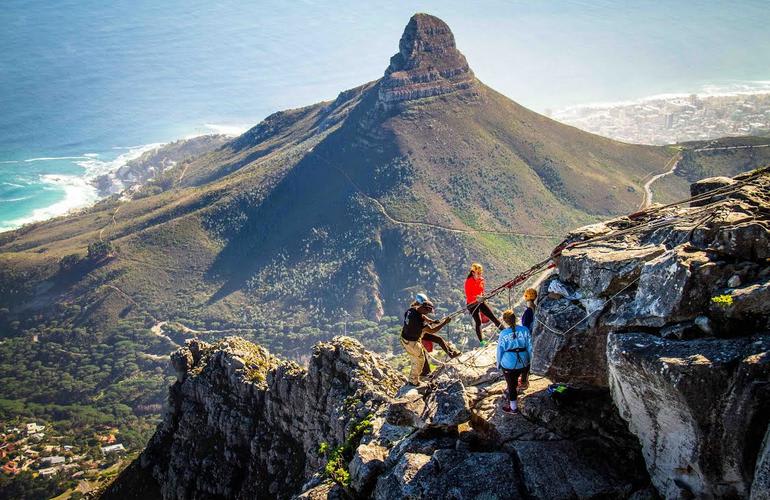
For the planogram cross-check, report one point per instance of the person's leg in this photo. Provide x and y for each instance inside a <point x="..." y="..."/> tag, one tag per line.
<point x="414" y="350"/>
<point x="513" y="389"/>
<point x="476" y="315"/>
<point x="510" y="381"/>
<point x="437" y="339"/>
<point x="484" y="308"/>
<point x="525" y="378"/>
<point x="425" y="363"/>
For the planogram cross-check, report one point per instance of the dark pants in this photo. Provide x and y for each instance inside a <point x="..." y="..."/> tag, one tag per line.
<point x="436" y="339"/>
<point x="512" y="380"/>
<point x="476" y="309"/>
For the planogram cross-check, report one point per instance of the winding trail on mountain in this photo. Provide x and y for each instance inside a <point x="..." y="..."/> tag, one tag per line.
<point x="431" y="225"/>
<point x="674" y="162"/>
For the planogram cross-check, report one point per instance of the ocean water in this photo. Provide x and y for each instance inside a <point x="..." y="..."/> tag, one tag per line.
<point x="86" y="85"/>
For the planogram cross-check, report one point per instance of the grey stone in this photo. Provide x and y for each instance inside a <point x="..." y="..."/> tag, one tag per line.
<point x="604" y="270"/>
<point x="760" y="488"/>
<point x="451" y="474"/>
<point x="568" y="470"/>
<point x="705" y="185"/>
<point x="446" y="406"/>
<point x="694" y="405"/>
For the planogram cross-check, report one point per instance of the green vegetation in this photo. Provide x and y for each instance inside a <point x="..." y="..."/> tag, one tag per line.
<point x="337" y="459"/>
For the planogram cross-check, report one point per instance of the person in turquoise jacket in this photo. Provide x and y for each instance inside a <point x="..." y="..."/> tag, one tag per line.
<point x="514" y="353"/>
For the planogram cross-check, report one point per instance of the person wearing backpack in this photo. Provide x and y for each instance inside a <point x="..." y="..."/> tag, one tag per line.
<point x="416" y="325"/>
<point x="514" y="354"/>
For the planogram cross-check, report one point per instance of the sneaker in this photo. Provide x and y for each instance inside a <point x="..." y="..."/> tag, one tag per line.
<point x="507" y="409"/>
<point x="484" y="343"/>
<point x="523" y="387"/>
<point x="454" y="354"/>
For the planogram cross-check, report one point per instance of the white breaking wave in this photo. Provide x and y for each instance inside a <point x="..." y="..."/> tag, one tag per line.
<point x="95" y="167"/>
<point x="78" y="191"/>
<point x="77" y="194"/>
<point x="49" y="158"/>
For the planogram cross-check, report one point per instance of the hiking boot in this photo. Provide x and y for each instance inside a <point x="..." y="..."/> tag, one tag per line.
<point x="507" y="409"/>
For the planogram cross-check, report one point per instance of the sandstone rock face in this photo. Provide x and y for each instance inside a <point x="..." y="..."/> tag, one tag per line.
<point x="243" y="423"/>
<point x="663" y="276"/>
<point x="427" y="64"/>
<point x="674" y="316"/>
<point x="697" y="407"/>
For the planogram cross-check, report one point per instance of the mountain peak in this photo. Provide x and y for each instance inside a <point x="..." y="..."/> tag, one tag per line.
<point x="427" y="63"/>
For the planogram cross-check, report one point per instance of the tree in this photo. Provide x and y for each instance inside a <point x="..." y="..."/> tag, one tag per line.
<point x="99" y="250"/>
<point x="69" y="261"/>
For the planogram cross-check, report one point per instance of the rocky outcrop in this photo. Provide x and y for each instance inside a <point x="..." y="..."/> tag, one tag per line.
<point x="244" y="424"/>
<point x="699" y="408"/>
<point x="427" y="64"/>
<point x="670" y="311"/>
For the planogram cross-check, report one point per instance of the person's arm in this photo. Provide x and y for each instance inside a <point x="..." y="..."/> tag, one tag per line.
<point x="435" y="328"/>
<point x="527" y="318"/>
<point x="529" y="345"/>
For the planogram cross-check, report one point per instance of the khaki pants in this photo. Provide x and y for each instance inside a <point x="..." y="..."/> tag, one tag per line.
<point x="415" y="351"/>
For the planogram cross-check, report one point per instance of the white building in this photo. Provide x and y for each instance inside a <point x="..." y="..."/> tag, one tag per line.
<point x="51" y="461"/>
<point x="114" y="448"/>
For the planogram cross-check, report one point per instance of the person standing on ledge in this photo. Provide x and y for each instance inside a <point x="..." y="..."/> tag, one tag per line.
<point x="514" y="354"/>
<point x="528" y="318"/>
<point x="474" y="297"/>
<point x="415" y="326"/>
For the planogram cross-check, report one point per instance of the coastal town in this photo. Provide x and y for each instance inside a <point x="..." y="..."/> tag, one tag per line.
<point x="35" y="448"/>
<point x="671" y="119"/>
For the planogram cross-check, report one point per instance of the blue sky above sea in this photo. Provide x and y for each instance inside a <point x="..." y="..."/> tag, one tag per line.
<point x="86" y="85"/>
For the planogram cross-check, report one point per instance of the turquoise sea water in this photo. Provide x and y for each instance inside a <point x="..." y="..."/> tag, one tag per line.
<point x="84" y="85"/>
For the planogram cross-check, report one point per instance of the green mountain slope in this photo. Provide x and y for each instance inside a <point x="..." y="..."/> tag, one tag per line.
<point x="318" y="219"/>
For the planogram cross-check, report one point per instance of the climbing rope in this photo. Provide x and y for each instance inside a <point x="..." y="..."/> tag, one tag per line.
<point x="548" y="263"/>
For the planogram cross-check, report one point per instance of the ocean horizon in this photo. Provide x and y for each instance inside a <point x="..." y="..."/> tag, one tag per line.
<point x="89" y="86"/>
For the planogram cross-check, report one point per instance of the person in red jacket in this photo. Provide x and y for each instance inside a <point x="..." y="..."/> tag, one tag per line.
<point x="474" y="297"/>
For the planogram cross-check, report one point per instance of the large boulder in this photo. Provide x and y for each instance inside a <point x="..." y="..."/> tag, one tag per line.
<point x="699" y="408"/>
<point x="709" y="184"/>
<point x="565" y="346"/>
<point x="569" y="470"/>
<point x="676" y="286"/>
<point x="451" y="474"/>
<point x="603" y="270"/>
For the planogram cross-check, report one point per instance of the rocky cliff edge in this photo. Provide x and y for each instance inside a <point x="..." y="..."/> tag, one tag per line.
<point x="660" y="329"/>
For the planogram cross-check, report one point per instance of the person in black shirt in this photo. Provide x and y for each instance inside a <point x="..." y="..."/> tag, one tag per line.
<point x="415" y="325"/>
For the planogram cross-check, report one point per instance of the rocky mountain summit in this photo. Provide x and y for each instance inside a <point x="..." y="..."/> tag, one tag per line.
<point x="427" y="63"/>
<point x="657" y="324"/>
